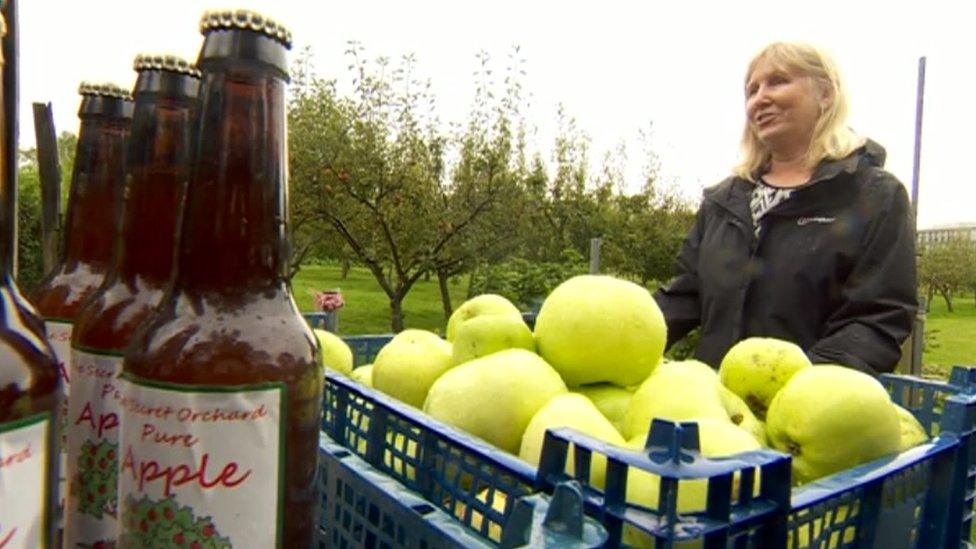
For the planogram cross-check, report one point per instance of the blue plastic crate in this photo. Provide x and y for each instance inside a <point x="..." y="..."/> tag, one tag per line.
<point x="899" y="501"/>
<point x="917" y="498"/>
<point x="446" y="466"/>
<point x="947" y="406"/>
<point x="365" y="508"/>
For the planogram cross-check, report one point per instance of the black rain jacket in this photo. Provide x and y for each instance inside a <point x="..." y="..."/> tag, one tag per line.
<point x="833" y="269"/>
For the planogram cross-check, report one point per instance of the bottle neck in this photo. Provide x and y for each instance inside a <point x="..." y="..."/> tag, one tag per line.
<point x="234" y="224"/>
<point x="8" y="167"/>
<point x="156" y="173"/>
<point x="95" y="200"/>
<point x="8" y="196"/>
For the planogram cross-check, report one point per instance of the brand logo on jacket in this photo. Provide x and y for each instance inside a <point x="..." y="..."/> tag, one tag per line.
<point x="820" y="220"/>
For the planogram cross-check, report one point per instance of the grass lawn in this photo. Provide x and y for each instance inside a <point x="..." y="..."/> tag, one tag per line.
<point x="951" y="336"/>
<point x="367" y="309"/>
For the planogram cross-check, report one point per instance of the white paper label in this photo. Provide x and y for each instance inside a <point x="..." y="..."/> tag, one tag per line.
<point x="201" y="464"/>
<point x="93" y="448"/>
<point x="59" y="334"/>
<point x="23" y="482"/>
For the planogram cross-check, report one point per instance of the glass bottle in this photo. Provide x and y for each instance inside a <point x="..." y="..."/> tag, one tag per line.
<point x="220" y="419"/>
<point x="29" y="385"/>
<point x="94" y="200"/>
<point x="156" y="172"/>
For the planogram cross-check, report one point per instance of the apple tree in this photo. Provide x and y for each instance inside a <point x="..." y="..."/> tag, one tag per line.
<point x="947" y="268"/>
<point x="488" y="177"/>
<point x="371" y="166"/>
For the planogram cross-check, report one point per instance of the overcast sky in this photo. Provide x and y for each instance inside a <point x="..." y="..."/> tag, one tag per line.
<point x="616" y="67"/>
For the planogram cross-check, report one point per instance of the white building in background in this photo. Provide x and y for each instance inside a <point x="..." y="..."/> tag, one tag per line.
<point x="944" y="233"/>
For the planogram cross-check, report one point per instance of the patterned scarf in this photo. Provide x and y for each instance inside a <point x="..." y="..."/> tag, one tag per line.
<point x="765" y="198"/>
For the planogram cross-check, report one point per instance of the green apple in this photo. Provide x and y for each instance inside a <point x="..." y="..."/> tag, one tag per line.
<point x="680" y="391"/>
<point x="912" y="432"/>
<point x="756" y="369"/>
<point x="363" y="375"/>
<point x="335" y="354"/>
<point x="484" y="304"/>
<point x="594" y="328"/>
<point x="831" y="418"/>
<point x="740" y="415"/>
<point x="486" y="334"/>
<point x="494" y="397"/>
<point x="612" y="401"/>
<point x="576" y="411"/>
<point x="406" y="367"/>
<point x="676" y="391"/>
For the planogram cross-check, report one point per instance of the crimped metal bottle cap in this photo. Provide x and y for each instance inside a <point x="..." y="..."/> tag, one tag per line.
<point x="170" y="63"/>
<point x="105" y="89"/>
<point x="245" y="20"/>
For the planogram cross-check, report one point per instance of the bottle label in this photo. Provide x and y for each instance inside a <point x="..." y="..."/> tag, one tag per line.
<point x="93" y="448"/>
<point x="59" y="334"/>
<point x="23" y="482"/>
<point x="201" y="464"/>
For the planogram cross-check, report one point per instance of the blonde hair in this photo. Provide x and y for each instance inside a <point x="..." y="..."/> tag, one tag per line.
<point x="832" y="139"/>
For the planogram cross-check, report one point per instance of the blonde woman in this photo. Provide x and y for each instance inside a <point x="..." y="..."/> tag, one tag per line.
<point x="810" y="240"/>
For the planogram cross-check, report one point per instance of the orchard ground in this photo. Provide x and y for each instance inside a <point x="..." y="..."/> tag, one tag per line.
<point x="367" y="311"/>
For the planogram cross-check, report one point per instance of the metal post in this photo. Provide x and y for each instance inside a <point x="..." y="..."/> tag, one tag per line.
<point x="595" y="255"/>
<point x="918" y="338"/>
<point x="918" y="328"/>
<point x="50" y="175"/>
<point x="917" y="161"/>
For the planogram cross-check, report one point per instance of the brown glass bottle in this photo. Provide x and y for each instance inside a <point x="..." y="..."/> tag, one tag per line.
<point x="94" y="204"/>
<point x="223" y="389"/>
<point x="29" y="392"/>
<point x="94" y="199"/>
<point x="156" y="172"/>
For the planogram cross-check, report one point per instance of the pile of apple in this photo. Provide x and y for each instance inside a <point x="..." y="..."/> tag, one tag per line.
<point x="595" y="363"/>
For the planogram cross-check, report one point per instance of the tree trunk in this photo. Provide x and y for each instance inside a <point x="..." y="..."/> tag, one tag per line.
<point x="471" y="282"/>
<point x="426" y="276"/>
<point x="396" y="313"/>
<point x="947" y="296"/>
<point x="442" y="280"/>
<point x="346" y="266"/>
<point x="928" y="300"/>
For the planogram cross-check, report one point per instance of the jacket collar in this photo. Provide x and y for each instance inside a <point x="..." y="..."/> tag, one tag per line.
<point x="734" y="193"/>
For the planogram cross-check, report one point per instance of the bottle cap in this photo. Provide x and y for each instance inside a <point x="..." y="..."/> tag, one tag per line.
<point x="169" y="63"/>
<point x="245" y="20"/>
<point x="104" y="89"/>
